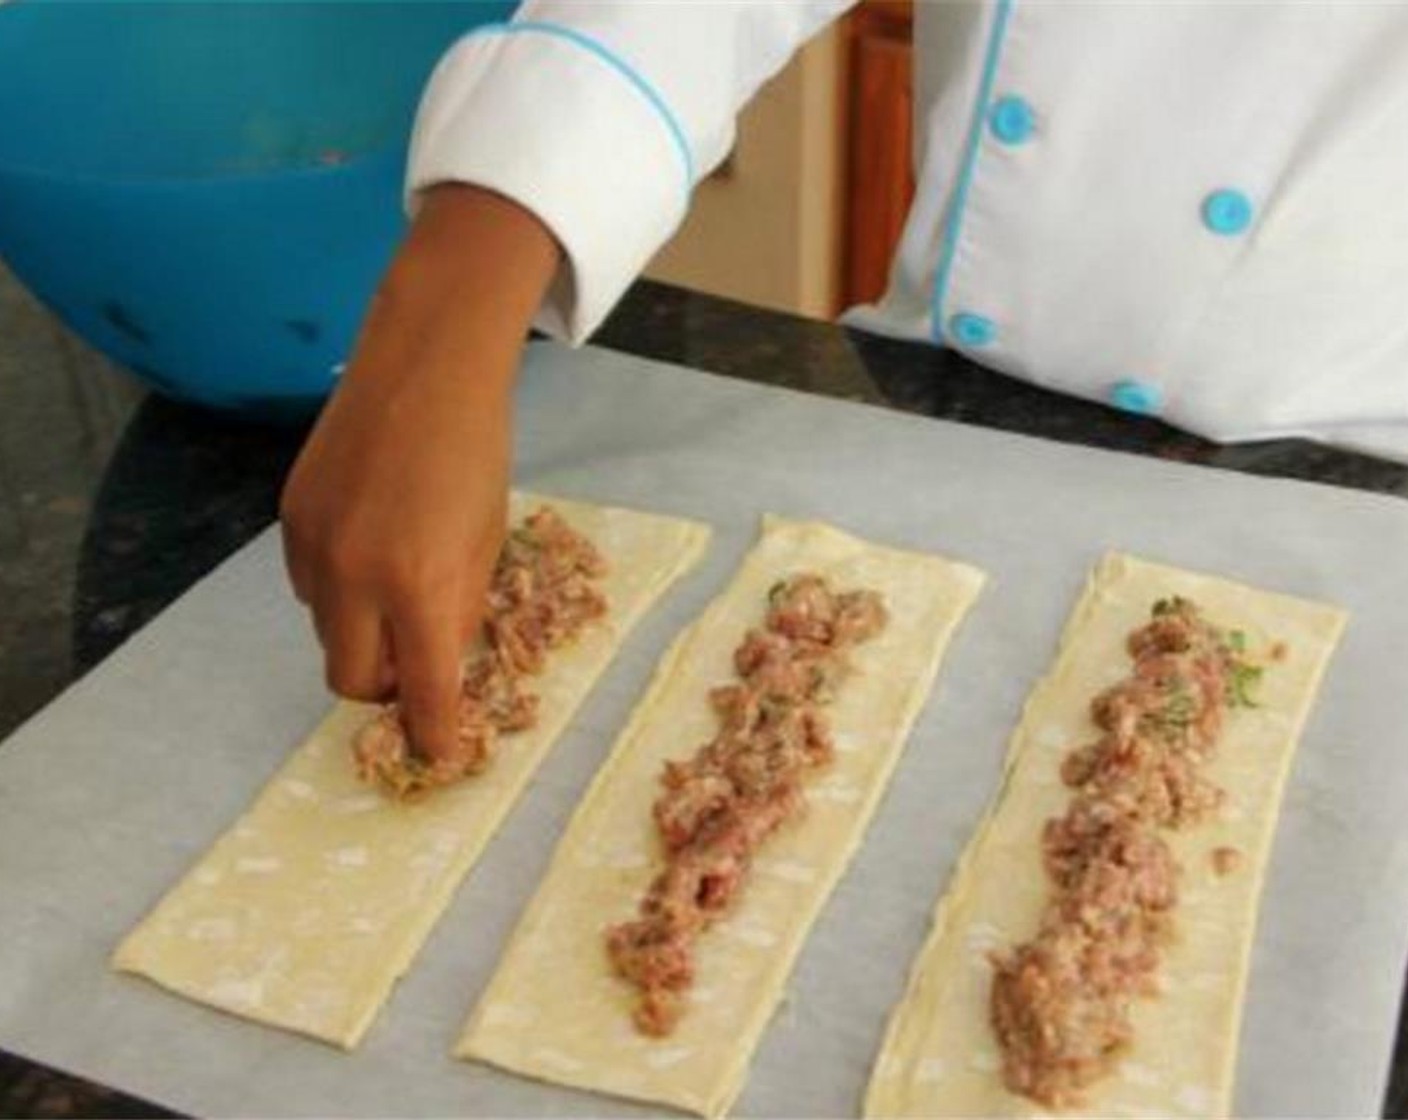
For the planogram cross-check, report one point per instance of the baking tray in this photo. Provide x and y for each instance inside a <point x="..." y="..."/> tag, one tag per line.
<point x="110" y="793"/>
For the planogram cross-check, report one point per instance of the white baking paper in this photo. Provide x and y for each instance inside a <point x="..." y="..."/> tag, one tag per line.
<point x="108" y="795"/>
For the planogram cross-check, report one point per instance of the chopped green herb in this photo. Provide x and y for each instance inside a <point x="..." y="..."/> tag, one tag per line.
<point x="1172" y="605"/>
<point x="1239" y="688"/>
<point x="1237" y="640"/>
<point x="1176" y="714"/>
<point x="1180" y="709"/>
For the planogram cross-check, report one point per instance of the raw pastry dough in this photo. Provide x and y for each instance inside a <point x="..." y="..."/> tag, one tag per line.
<point x="939" y="1057"/>
<point x="307" y="911"/>
<point x="554" y="1009"/>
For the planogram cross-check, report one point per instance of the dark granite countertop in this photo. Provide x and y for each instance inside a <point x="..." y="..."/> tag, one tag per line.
<point x="112" y="502"/>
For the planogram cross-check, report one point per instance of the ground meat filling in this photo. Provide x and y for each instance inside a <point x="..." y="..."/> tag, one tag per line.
<point x="716" y="809"/>
<point x="1061" y="1002"/>
<point x="1225" y="861"/>
<point x="543" y="594"/>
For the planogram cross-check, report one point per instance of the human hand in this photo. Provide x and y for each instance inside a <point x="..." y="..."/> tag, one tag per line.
<point x="395" y="510"/>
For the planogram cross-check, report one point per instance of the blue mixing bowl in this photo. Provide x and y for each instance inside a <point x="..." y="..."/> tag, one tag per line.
<point x="208" y="191"/>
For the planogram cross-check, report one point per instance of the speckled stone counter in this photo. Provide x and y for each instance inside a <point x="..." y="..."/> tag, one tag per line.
<point x="112" y="502"/>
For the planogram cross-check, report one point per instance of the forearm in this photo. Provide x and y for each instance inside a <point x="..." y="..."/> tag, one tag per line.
<point x="469" y="277"/>
<point x="644" y="95"/>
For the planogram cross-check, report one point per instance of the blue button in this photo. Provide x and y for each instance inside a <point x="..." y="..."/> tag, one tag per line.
<point x="1227" y="212"/>
<point x="1012" y="119"/>
<point x="1138" y="397"/>
<point x="971" y="330"/>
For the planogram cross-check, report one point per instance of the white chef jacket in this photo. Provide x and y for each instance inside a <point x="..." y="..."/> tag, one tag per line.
<point x="1192" y="209"/>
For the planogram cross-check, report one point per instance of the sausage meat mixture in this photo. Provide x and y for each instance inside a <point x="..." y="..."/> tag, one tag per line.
<point x="716" y="809"/>
<point x="1061" y="1002"/>
<point x="542" y="595"/>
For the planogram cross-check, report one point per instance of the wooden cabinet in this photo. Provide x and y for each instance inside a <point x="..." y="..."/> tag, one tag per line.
<point x="809" y="208"/>
<point x="767" y="228"/>
<point x="880" y="168"/>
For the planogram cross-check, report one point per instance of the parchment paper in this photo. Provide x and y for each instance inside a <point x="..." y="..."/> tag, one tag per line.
<point x="110" y="793"/>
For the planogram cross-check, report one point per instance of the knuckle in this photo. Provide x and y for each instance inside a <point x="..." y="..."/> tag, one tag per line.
<point x="344" y="558"/>
<point x="293" y="532"/>
<point x="430" y="687"/>
<point x="354" y="686"/>
<point x="414" y="584"/>
<point x="433" y="686"/>
<point x="293" y="509"/>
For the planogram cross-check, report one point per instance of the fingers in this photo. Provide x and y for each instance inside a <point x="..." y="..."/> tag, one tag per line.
<point x="357" y="660"/>
<point x="428" y="647"/>
<point x="474" y="607"/>
<point x="425" y="646"/>
<point x="478" y="574"/>
<point x="356" y="654"/>
<point x="471" y="621"/>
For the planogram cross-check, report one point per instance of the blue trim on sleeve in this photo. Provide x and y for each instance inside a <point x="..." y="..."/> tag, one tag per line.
<point x="617" y="63"/>
<point x="970" y="159"/>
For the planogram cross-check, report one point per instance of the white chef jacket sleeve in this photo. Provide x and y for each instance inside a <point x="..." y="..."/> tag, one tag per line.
<point x="599" y="118"/>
